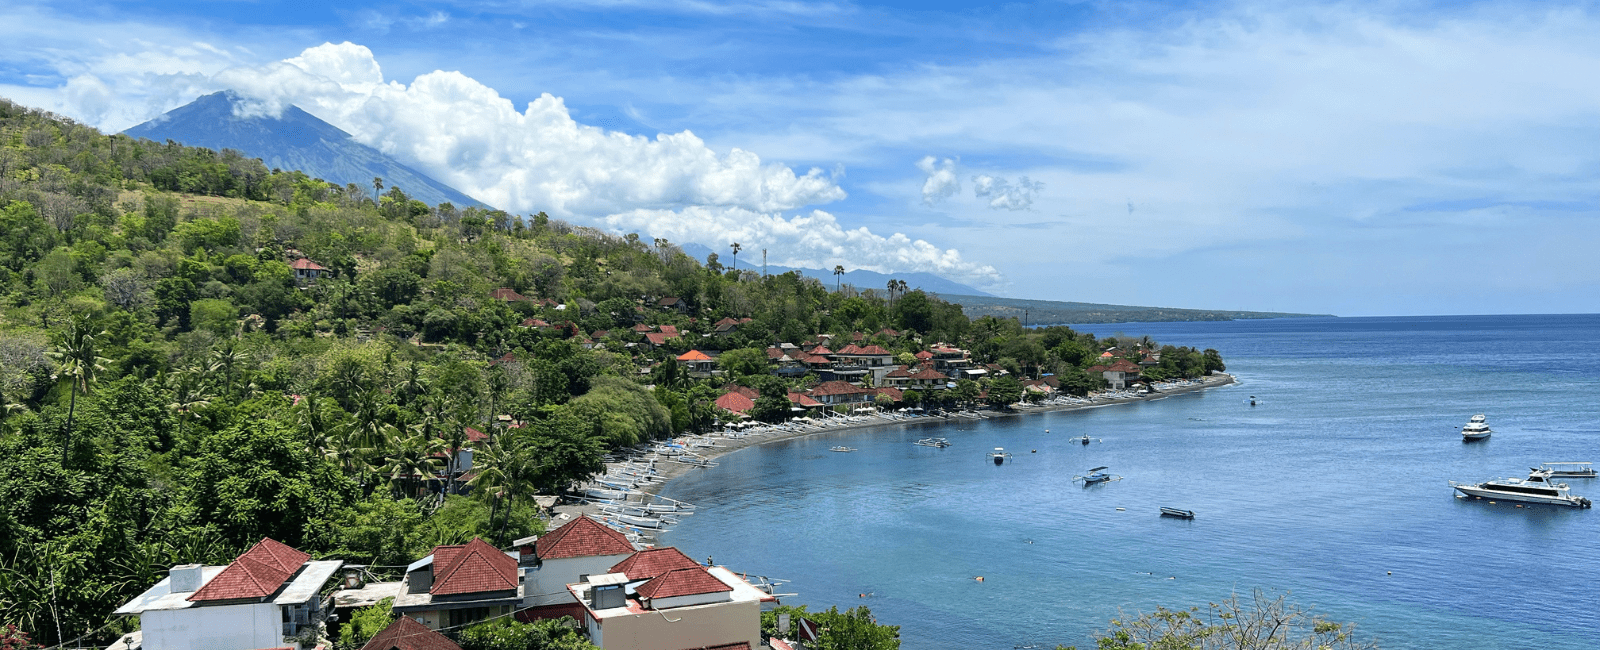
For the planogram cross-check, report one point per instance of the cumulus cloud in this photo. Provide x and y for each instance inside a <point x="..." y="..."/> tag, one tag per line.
<point x="813" y="240"/>
<point x="942" y="182"/>
<point x="1003" y="195"/>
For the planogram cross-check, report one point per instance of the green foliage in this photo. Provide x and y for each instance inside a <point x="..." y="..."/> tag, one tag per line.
<point x="1263" y="623"/>
<point x="855" y="629"/>
<point x="1004" y="391"/>
<point x="623" y="412"/>
<point x="508" y="634"/>
<point x="367" y="622"/>
<point x="743" y="362"/>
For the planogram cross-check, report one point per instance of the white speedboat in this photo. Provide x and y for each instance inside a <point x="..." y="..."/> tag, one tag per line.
<point x="1476" y="429"/>
<point x="933" y="442"/>
<point x="1537" y="488"/>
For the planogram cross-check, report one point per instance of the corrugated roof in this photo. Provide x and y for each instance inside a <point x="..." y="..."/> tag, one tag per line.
<point x="682" y="582"/>
<point x="648" y="564"/>
<point x="473" y="567"/>
<point x="582" y="537"/>
<point x="257" y="573"/>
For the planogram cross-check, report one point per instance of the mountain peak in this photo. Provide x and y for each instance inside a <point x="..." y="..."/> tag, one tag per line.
<point x="294" y="139"/>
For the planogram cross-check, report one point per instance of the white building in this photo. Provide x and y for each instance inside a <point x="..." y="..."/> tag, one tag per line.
<point x="563" y="556"/>
<point x="267" y="598"/>
<point x="659" y="599"/>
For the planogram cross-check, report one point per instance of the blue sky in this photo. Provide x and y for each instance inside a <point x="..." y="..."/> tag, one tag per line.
<point x="1350" y="158"/>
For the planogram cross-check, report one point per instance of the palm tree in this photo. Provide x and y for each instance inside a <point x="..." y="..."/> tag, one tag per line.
<point x="838" y="271"/>
<point x="309" y="415"/>
<point x="377" y="187"/>
<point x="736" y="248"/>
<point x="903" y="288"/>
<point x="411" y="384"/>
<point x="227" y="359"/>
<point x="188" y="393"/>
<point x="411" y="458"/>
<point x="892" y="286"/>
<point x="78" y="363"/>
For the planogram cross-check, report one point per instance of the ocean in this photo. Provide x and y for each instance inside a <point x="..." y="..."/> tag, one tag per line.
<point x="1332" y="489"/>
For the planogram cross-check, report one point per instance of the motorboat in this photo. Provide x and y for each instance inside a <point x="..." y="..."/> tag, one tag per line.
<point x="1568" y="470"/>
<point x="1176" y="512"/>
<point x="1094" y="475"/>
<point x="1477" y="429"/>
<point x="1537" y="488"/>
<point x="933" y="442"/>
<point x="999" y="455"/>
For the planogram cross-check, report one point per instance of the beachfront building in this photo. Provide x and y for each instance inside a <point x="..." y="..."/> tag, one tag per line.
<point x="952" y="361"/>
<point x="459" y="584"/>
<point x="659" y="599"/>
<point x="738" y="400"/>
<point x="871" y="359"/>
<point x="1118" y="374"/>
<point x="563" y="556"/>
<point x="268" y="597"/>
<point x="834" y="393"/>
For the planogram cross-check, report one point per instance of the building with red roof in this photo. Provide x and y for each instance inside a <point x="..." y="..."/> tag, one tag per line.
<point x="459" y="584"/>
<point x="659" y="599"/>
<point x="839" y="392"/>
<point x="405" y="633"/>
<point x="734" y="402"/>
<point x="306" y="270"/>
<point x="695" y="361"/>
<point x="507" y="294"/>
<point x="269" y="592"/>
<point x="561" y="557"/>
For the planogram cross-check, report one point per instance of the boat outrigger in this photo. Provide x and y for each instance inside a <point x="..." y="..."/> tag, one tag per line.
<point x="999" y="455"/>
<point x="1568" y="469"/>
<point x="1537" y="488"/>
<point x="1175" y="512"/>
<point x="1097" y="475"/>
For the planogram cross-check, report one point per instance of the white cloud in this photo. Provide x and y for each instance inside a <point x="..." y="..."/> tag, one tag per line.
<point x="941" y="182"/>
<point x="1003" y="195"/>
<point x="813" y="240"/>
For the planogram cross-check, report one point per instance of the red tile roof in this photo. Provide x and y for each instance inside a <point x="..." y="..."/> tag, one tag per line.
<point x="682" y="582"/>
<point x="534" y="322"/>
<point x="474" y="435"/>
<point x="257" y="573"/>
<point x="821" y="350"/>
<point x="774" y="353"/>
<point x="873" y="350"/>
<point x="648" y="564"/>
<point x="693" y="355"/>
<point x="742" y="390"/>
<point x="836" y="388"/>
<point x="642" y="328"/>
<point x="803" y="400"/>
<point x="726" y="321"/>
<point x="405" y="633"/>
<point x="850" y="349"/>
<point x="929" y="374"/>
<point x="669" y="330"/>
<point x="924" y="355"/>
<point x="507" y="294"/>
<point x="470" y="568"/>
<point x="658" y="338"/>
<point x="582" y="537"/>
<point x="305" y="264"/>
<point x="733" y="401"/>
<point x="892" y="392"/>
<point x="902" y="371"/>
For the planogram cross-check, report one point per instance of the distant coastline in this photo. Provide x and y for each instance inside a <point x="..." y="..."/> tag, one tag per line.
<point x="1051" y="312"/>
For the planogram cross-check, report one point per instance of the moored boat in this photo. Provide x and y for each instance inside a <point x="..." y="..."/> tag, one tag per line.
<point x="1177" y="512"/>
<point x="1537" y="488"/>
<point x="841" y="448"/>
<point x="999" y="455"/>
<point x="1094" y="475"/>
<point x="1476" y="429"/>
<point x="933" y="442"/>
<point x="1568" y="469"/>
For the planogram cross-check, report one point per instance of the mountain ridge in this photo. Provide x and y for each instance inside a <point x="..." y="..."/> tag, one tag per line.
<point x="295" y="140"/>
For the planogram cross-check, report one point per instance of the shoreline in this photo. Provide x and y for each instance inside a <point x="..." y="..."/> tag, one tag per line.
<point x="668" y="471"/>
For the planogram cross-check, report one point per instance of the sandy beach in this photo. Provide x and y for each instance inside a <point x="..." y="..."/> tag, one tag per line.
<point x="725" y="444"/>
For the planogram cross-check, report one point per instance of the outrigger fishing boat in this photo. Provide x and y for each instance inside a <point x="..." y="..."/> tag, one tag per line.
<point x="999" y="455"/>
<point x="1097" y="475"/>
<point x="1085" y="439"/>
<point x="933" y="442"/>
<point x="1176" y="512"/>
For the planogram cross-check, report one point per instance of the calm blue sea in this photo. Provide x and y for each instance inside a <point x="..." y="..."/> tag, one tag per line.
<point x="1334" y="488"/>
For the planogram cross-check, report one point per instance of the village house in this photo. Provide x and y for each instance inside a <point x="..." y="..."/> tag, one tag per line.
<point x="673" y="302"/>
<point x="1117" y="375"/>
<point x="870" y="359"/>
<point x="459" y="584"/>
<point x="507" y="294"/>
<point x="405" y="633"/>
<point x="953" y="362"/>
<point x="738" y="400"/>
<point x="306" y="271"/>
<point x="833" y="393"/>
<point x="563" y="556"/>
<point x="268" y="597"/>
<point x="659" y="599"/>
<point x="698" y="364"/>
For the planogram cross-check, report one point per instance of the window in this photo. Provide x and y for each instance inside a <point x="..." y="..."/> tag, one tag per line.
<point x="464" y="616"/>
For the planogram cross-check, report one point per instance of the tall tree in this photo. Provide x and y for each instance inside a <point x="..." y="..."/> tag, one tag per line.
<point x="736" y="248"/>
<point x="78" y="362"/>
<point x="838" y="273"/>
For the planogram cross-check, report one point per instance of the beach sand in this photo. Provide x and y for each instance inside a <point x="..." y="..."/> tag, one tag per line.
<point x="668" y="470"/>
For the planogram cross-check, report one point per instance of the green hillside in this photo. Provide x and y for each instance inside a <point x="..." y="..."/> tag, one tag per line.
<point x="173" y="392"/>
<point x="1051" y="312"/>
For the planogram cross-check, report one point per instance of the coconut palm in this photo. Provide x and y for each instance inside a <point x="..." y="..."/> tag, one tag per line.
<point x="838" y="272"/>
<point x="77" y="361"/>
<point x="411" y="459"/>
<point x="736" y="247"/>
<point x="226" y="359"/>
<point x="189" y="392"/>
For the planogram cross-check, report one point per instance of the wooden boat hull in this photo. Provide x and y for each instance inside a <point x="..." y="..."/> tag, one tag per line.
<point x="1180" y="514"/>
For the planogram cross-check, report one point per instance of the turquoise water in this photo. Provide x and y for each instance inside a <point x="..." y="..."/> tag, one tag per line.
<point x="1334" y="488"/>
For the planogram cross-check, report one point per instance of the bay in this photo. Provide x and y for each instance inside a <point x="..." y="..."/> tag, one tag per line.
<point x="1332" y="489"/>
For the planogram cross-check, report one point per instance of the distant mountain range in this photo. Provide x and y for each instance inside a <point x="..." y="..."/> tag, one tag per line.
<point x="295" y="140"/>
<point x="1050" y="312"/>
<point x="859" y="278"/>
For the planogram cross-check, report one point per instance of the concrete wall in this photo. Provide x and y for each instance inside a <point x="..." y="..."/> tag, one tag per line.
<point x="547" y="584"/>
<point x="683" y="627"/>
<point x="215" y="627"/>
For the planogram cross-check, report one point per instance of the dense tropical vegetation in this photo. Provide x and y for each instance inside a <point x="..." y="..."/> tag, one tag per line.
<point x="173" y="392"/>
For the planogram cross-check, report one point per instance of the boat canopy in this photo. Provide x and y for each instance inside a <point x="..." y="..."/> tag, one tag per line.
<point x="1099" y="468"/>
